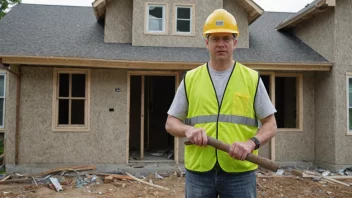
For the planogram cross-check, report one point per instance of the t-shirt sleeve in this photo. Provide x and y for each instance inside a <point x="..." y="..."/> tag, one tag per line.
<point x="179" y="106"/>
<point x="262" y="105"/>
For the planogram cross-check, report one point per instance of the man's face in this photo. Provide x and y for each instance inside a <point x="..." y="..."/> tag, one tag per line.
<point x="221" y="46"/>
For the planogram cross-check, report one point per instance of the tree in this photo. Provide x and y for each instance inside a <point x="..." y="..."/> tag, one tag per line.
<point x="4" y="5"/>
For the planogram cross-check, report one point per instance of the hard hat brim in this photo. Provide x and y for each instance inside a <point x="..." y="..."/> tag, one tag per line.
<point x="221" y="31"/>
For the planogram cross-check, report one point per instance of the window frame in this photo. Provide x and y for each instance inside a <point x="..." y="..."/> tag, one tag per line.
<point x="299" y="96"/>
<point x="192" y="19"/>
<point x="164" y="19"/>
<point x="348" y="77"/>
<point x="2" y="127"/>
<point x="55" y="103"/>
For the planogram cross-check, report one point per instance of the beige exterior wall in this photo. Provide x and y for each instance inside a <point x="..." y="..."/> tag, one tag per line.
<point x="105" y="143"/>
<point x="299" y="145"/>
<point x="10" y="118"/>
<point x="242" y="19"/>
<point x="121" y="13"/>
<point x="318" y="33"/>
<point x="325" y="107"/>
<point x="343" y="51"/>
<point x="118" y="21"/>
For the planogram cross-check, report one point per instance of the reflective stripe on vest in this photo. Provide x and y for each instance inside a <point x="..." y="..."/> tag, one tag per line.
<point x="222" y="118"/>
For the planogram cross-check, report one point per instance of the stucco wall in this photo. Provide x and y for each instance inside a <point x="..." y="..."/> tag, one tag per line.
<point x="325" y="105"/>
<point x="298" y="146"/>
<point x="343" y="47"/>
<point x="104" y="143"/>
<point x="10" y="118"/>
<point x="242" y="19"/>
<point x="118" y="21"/>
<point x="318" y="33"/>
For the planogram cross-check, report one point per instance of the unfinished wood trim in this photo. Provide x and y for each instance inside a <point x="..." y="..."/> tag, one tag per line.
<point x="70" y="128"/>
<point x="299" y="101"/>
<point x="166" y="20"/>
<point x="148" y="73"/>
<point x="272" y="96"/>
<point x="192" y="19"/>
<point x="142" y="119"/>
<point x="176" y="139"/>
<point x="128" y="117"/>
<point x="152" y="65"/>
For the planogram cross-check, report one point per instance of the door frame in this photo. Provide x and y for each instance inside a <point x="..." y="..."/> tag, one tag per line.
<point x="176" y="74"/>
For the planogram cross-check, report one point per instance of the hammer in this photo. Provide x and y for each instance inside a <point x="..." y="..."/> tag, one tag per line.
<point x="261" y="161"/>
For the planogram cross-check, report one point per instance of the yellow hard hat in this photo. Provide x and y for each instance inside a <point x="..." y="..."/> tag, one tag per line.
<point x="220" y="21"/>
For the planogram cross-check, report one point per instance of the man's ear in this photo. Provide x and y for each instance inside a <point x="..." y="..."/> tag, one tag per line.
<point x="234" y="43"/>
<point x="207" y="43"/>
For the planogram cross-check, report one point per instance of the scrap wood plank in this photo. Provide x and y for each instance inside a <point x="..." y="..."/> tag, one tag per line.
<point x="340" y="177"/>
<point x="336" y="181"/>
<point x="117" y="176"/>
<point x="144" y="182"/>
<point x="76" y="168"/>
<point x="5" y="178"/>
<point x="304" y="174"/>
<point x="24" y="180"/>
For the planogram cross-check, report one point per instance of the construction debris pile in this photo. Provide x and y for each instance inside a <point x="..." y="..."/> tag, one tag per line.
<point x="81" y="177"/>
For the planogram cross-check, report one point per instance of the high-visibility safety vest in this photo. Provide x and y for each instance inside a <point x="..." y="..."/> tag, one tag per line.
<point x="230" y="120"/>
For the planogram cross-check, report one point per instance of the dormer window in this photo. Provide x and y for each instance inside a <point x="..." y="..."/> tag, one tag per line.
<point x="156" y="18"/>
<point x="184" y="19"/>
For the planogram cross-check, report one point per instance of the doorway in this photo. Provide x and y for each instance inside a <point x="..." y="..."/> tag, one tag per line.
<point x="150" y="97"/>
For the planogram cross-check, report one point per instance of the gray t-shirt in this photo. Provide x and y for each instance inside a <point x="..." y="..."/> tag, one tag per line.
<point x="263" y="106"/>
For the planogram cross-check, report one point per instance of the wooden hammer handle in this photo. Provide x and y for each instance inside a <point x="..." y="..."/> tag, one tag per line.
<point x="261" y="161"/>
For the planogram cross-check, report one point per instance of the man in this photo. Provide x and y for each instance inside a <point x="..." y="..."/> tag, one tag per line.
<point x="222" y="99"/>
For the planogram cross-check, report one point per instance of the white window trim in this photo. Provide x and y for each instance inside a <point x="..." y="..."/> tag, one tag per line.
<point x="71" y="128"/>
<point x="348" y="76"/>
<point x="2" y="127"/>
<point x="192" y="20"/>
<point x="165" y="18"/>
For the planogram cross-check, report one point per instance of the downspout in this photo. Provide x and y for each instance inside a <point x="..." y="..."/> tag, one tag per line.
<point x="18" y="96"/>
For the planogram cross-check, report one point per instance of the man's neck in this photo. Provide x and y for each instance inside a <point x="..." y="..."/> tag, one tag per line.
<point x="221" y="65"/>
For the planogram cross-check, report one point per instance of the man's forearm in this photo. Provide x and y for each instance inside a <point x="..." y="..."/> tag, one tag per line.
<point x="267" y="130"/>
<point x="175" y="127"/>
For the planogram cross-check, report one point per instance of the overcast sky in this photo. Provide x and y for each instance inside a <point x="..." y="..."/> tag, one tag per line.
<point x="267" y="5"/>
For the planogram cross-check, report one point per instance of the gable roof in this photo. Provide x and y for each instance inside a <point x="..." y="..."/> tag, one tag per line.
<point x="72" y="32"/>
<point x="306" y="13"/>
<point x="254" y="10"/>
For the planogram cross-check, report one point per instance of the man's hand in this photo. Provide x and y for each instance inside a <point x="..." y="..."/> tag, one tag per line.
<point x="197" y="136"/>
<point x="240" y="150"/>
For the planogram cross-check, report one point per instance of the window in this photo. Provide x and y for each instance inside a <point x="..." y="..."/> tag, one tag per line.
<point x="184" y="24"/>
<point x="71" y="100"/>
<point x="286" y="93"/>
<point x="2" y="99"/>
<point x="156" y="17"/>
<point x="183" y="19"/>
<point x="349" y="103"/>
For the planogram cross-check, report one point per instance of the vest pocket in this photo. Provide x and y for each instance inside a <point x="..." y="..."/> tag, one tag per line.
<point x="241" y="104"/>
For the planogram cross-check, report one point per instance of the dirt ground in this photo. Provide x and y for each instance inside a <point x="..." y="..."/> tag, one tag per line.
<point x="291" y="186"/>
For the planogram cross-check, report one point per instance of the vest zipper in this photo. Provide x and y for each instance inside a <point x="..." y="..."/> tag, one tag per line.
<point x="219" y="106"/>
